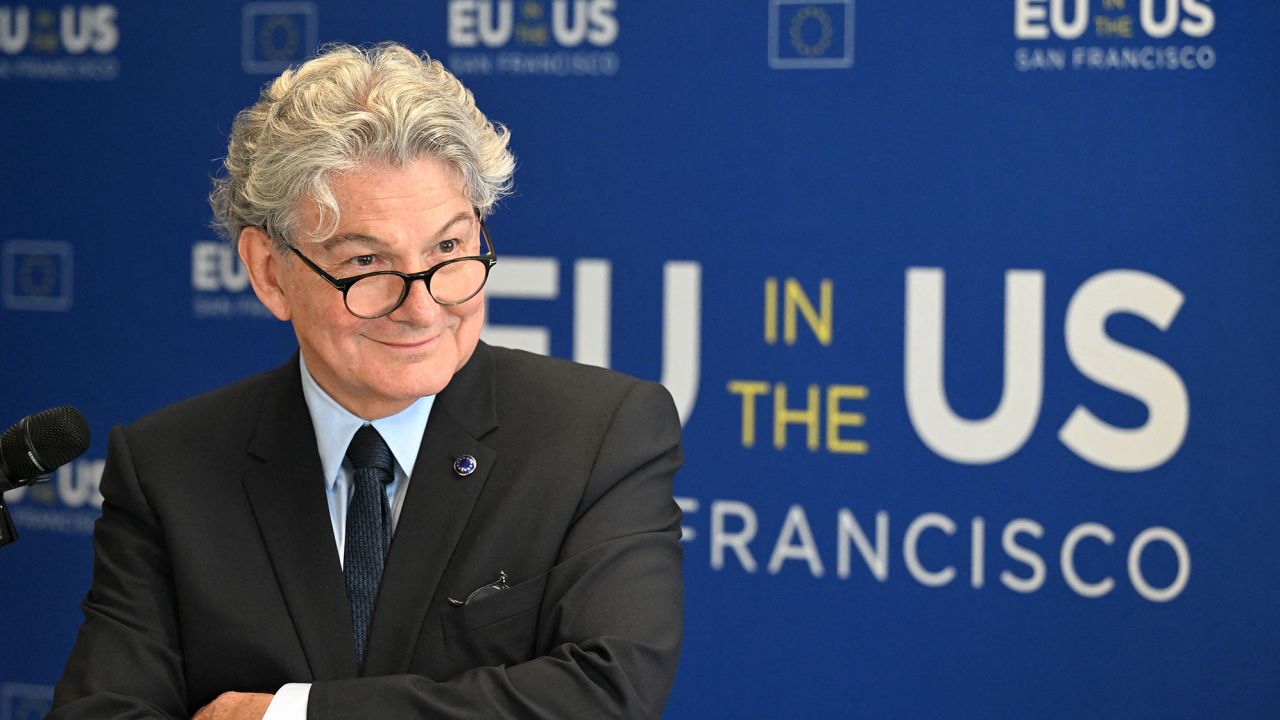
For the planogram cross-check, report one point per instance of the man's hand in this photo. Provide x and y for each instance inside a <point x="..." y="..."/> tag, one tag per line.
<point x="235" y="706"/>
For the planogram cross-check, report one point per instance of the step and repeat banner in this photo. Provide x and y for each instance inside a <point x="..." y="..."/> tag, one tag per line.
<point x="968" y="309"/>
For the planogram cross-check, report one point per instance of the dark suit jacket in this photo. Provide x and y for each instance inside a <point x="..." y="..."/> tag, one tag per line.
<point x="216" y="567"/>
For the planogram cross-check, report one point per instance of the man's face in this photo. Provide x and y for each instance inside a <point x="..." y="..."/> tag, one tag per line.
<point x="408" y="219"/>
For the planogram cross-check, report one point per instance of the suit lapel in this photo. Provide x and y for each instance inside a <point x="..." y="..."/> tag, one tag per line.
<point x="287" y="494"/>
<point x="436" y="509"/>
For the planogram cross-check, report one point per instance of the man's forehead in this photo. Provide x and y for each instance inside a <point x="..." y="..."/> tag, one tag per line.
<point x="427" y="194"/>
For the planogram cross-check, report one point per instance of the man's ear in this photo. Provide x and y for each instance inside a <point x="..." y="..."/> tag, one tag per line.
<point x="264" y="263"/>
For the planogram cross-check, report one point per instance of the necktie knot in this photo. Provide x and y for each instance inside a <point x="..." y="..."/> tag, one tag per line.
<point x="369" y="450"/>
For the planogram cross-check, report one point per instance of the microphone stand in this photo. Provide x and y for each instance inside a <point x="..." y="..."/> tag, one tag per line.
<point x="9" y="531"/>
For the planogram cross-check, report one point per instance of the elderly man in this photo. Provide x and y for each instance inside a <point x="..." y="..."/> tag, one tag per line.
<point x="401" y="521"/>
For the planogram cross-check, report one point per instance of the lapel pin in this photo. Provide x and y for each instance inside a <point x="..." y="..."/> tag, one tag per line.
<point x="464" y="465"/>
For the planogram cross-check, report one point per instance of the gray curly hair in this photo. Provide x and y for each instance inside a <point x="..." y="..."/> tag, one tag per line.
<point x="343" y="108"/>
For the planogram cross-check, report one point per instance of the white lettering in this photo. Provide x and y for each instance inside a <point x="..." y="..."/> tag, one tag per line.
<point x="1206" y="57"/>
<point x="682" y="333"/>
<point x="1068" y="559"/>
<point x="1028" y="557"/>
<point x="472" y="22"/>
<point x="74" y="41"/>
<point x="1173" y="540"/>
<point x="910" y="553"/>
<point x="604" y="24"/>
<point x="592" y="293"/>
<point x="1200" y="19"/>
<point x="462" y="23"/>
<point x="1147" y="17"/>
<point x="204" y="268"/>
<point x="215" y="266"/>
<point x="15" y="29"/>
<point x="737" y="541"/>
<point x="107" y="36"/>
<point x="1026" y="59"/>
<point x="796" y="525"/>
<point x="1126" y="370"/>
<point x="977" y="553"/>
<point x="593" y="20"/>
<point x="496" y="31"/>
<point x="1028" y="20"/>
<point x="566" y="35"/>
<point x="795" y="540"/>
<point x="939" y="427"/>
<point x="525" y="278"/>
<point x="876" y="558"/>
<point x="1069" y="30"/>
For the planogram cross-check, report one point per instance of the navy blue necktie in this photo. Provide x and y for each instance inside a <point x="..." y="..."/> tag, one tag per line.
<point x="368" y="530"/>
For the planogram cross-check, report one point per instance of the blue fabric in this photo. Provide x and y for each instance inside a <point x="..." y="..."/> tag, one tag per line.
<point x="368" y="530"/>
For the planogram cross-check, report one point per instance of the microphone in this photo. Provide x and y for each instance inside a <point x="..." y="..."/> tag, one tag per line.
<point x="39" y="444"/>
<point x="34" y="447"/>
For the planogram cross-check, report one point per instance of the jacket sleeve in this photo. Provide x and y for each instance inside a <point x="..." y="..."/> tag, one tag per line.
<point x="611" y="615"/>
<point x="127" y="659"/>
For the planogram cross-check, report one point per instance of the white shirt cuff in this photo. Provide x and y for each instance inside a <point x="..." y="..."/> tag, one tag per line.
<point x="290" y="703"/>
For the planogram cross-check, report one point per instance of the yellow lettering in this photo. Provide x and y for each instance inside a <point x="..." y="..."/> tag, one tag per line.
<point x="771" y="311"/>
<point x="532" y="34"/>
<point x="1114" y="27"/>
<point x="810" y="416"/>
<point x="749" y="390"/>
<point x="795" y="301"/>
<point x="837" y="418"/>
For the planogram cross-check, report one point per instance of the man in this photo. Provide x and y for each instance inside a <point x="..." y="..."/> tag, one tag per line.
<point x="401" y="521"/>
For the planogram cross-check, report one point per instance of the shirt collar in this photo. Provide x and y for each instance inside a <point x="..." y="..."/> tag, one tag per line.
<point x="335" y="426"/>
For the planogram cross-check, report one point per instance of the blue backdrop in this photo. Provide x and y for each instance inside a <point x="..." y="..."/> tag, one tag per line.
<point x="967" y="308"/>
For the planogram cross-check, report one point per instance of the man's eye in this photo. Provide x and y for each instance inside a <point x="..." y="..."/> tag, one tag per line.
<point x="361" y="260"/>
<point x="447" y="246"/>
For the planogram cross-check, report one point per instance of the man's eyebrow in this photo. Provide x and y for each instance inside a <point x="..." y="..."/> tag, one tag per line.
<point x="345" y="238"/>
<point x="379" y="244"/>
<point x="460" y="217"/>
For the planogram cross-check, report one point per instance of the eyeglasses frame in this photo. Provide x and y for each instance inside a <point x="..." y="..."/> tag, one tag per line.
<point x="344" y="284"/>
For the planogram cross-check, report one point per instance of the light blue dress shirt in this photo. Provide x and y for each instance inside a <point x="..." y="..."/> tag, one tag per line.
<point x="334" y="427"/>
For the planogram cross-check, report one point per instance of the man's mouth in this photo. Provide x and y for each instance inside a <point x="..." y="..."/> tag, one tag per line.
<point x="414" y="344"/>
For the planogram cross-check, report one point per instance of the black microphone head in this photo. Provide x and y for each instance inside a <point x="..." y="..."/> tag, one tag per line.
<point x="57" y="436"/>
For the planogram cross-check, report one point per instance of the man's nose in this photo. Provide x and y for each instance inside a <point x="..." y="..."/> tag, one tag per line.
<point x="418" y="306"/>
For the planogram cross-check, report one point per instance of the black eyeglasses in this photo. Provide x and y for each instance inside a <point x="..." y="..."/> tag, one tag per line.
<point x="376" y="294"/>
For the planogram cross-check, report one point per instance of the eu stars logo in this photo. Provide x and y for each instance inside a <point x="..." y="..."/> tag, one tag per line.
<point x="810" y="35"/>
<point x="37" y="275"/>
<point x="275" y="35"/>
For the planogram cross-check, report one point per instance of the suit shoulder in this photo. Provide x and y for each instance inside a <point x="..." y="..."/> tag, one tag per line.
<point x="581" y="414"/>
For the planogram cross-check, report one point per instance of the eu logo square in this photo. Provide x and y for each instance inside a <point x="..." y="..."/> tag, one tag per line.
<point x="810" y="35"/>
<point x="37" y="275"/>
<point x="275" y="35"/>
